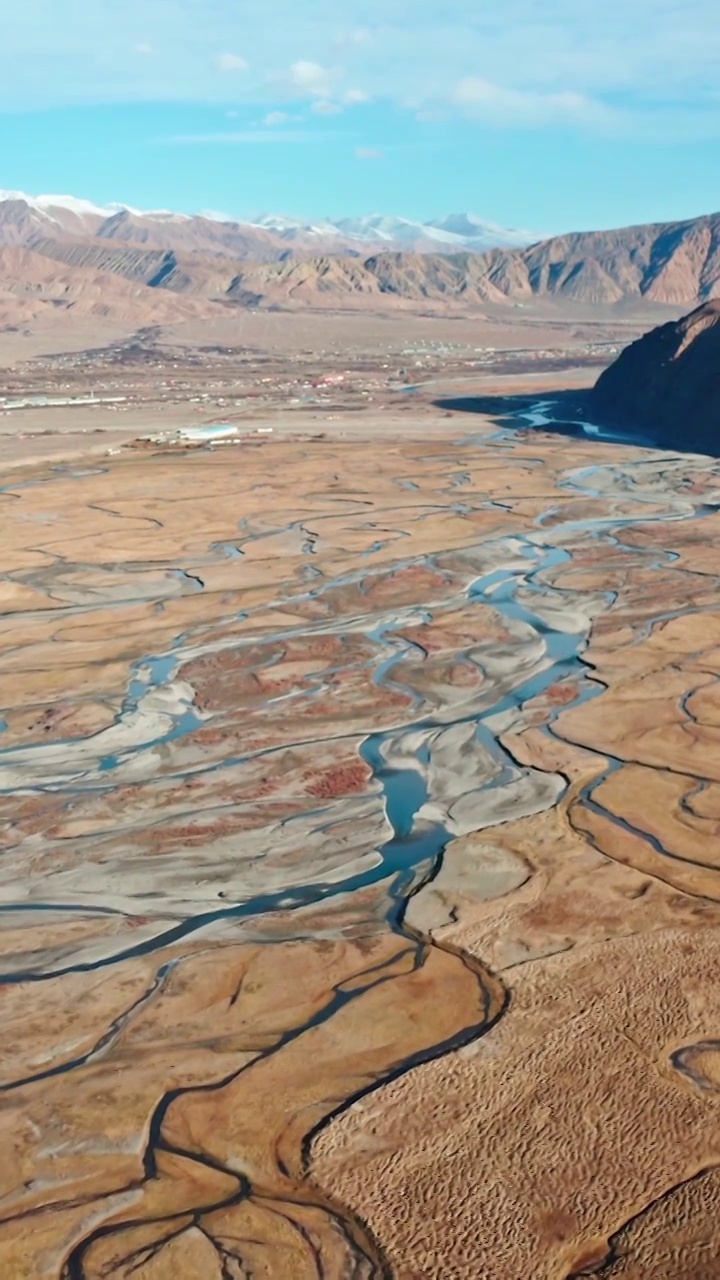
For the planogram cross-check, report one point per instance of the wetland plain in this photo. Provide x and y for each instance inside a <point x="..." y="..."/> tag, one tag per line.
<point x="360" y="877"/>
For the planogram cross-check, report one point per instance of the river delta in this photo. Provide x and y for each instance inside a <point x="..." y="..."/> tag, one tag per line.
<point x="360" y="877"/>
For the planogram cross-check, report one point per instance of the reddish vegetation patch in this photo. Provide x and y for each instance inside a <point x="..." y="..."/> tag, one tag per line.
<point x="168" y="840"/>
<point x="333" y="708"/>
<point x="265" y="786"/>
<point x="316" y="646"/>
<point x="454" y="633"/>
<point x="338" y="780"/>
<point x="275" y="687"/>
<point x="210" y="737"/>
<point x="219" y="692"/>
<point x="407" y="586"/>
<point x="560" y="694"/>
<point x="226" y="678"/>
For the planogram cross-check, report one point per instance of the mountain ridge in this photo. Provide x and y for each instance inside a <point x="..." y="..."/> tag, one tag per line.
<point x="260" y="234"/>
<point x="673" y="264"/>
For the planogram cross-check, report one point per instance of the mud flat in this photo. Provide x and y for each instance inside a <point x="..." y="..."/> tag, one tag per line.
<point x="360" y="899"/>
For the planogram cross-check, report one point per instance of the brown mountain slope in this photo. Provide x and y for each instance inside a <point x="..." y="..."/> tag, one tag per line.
<point x="19" y="223"/>
<point x="204" y="274"/>
<point x="31" y="286"/>
<point x="132" y="262"/>
<point x="391" y="279"/>
<point x="671" y="263"/>
<point x="677" y="264"/>
<point x="194" y="235"/>
<point x="668" y="382"/>
<point x="23" y="220"/>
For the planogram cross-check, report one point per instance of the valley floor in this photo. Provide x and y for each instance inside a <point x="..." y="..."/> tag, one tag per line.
<point x="359" y="790"/>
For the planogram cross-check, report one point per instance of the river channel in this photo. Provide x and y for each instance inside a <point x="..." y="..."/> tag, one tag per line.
<point x="434" y="762"/>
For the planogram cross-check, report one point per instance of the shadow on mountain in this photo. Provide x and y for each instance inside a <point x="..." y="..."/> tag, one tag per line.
<point x="571" y="413"/>
<point x="564" y="412"/>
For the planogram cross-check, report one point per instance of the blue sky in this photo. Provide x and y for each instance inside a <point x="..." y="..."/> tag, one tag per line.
<point x="549" y="115"/>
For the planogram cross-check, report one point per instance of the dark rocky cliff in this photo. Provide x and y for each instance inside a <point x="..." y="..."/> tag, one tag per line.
<point x="668" y="382"/>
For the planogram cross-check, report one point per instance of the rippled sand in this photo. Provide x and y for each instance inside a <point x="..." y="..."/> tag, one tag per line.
<point x="358" y="898"/>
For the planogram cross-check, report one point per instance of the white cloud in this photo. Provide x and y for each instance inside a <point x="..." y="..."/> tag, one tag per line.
<point x="307" y="79"/>
<point x="326" y="108"/>
<point x="369" y="153"/>
<point x="355" y="97"/>
<point x="274" y="118"/>
<point x="497" y="105"/>
<point x="650" y="60"/>
<point x="232" y="62"/>
<point x="144" y="49"/>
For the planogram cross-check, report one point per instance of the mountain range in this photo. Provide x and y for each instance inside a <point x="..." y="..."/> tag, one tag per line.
<point x="58" y="254"/>
<point x="265" y="237"/>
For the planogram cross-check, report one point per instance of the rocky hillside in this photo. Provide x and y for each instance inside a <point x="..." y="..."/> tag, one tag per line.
<point x="33" y="288"/>
<point x="671" y="263"/>
<point x="668" y="382"/>
<point x="676" y="264"/>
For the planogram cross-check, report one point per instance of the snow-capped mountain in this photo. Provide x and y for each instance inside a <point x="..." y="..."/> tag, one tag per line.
<point x="52" y="214"/>
<point x="290" y="228"/>
<point x="84" y="208"/>
<point x="69" y="204"/>
<point x="479" y="232"/>
<point x="455" y="232"/>
<point x="24" y="218"/>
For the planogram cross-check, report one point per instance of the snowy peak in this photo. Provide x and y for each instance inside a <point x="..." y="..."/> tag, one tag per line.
<point x="70" y="204"/>
<point x="54" y="214"/>
<point x="480" y="232"/>
<point x="268" y="236"/>
<point x="383" y="227"/>
<point x="284" y="225"/>
<point x="455" y="232"/>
